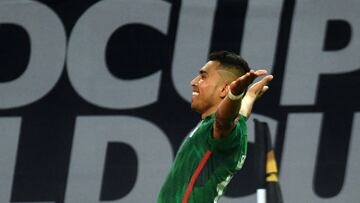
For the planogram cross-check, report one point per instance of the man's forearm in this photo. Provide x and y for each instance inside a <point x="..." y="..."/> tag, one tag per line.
<point x="227" y="112"/>
<point x="225" y="115"/>
<point x="229" y="108"/>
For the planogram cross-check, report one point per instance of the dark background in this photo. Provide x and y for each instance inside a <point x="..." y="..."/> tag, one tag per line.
<point x="47" y="127"/>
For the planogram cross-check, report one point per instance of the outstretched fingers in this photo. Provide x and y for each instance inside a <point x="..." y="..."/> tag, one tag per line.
<point x="242" y="83"/>
<point x="252" y="75"/>
<point x="266" y="79"/>
<point x="260" y="72"/>
<point x="260" y="87"/>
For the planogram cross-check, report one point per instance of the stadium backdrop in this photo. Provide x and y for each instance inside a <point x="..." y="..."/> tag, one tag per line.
<point x="94" y="95"/>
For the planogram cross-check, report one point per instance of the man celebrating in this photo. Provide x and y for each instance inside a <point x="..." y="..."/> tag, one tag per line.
<point x="212" y="153"/>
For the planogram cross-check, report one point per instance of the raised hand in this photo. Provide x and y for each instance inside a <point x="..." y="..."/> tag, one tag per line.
<point x="229" y="107"/>
<point x="254" y="92"/>
<point x="257" y="89"/>
<point x="239" y="85"/>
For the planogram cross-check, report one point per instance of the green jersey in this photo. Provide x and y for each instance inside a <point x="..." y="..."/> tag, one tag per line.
<point x="203" y="165"/>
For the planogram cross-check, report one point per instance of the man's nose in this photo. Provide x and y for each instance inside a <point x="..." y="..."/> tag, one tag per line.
<point x="194" y="81"/>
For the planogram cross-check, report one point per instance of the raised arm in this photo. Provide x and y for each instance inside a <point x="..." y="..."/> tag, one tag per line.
<point x="254" y="92"/>
<point x="229" y="108"/>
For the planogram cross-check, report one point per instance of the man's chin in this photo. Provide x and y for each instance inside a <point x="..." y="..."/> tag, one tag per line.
<point x="194" y="107"/>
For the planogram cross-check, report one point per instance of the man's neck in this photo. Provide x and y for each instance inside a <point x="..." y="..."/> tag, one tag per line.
<point x="208" y="112"/>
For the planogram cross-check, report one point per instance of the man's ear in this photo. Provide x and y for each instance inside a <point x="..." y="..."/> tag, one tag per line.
<point x="224" y="91"/>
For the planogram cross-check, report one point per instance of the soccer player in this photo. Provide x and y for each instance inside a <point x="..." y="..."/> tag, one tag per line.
<point x="216" y="149"/>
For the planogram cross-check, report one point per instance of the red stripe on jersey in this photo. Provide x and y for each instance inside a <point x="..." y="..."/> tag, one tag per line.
<point x="196" y="175"/>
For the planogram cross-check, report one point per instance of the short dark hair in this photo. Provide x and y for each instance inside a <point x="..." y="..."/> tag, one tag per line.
<point x="230" y="60"/>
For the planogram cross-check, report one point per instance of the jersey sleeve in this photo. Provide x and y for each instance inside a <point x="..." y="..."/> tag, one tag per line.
<point x="231" y="140"/>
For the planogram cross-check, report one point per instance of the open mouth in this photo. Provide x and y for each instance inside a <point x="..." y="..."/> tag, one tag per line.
<point x="195" y="93"/>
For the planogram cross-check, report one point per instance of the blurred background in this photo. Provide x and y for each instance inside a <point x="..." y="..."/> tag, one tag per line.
<point x="95" y="94"/>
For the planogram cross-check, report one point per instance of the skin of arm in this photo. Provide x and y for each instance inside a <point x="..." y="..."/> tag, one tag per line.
<point x="254" y="92"/>
<point x="228" y="109"/>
